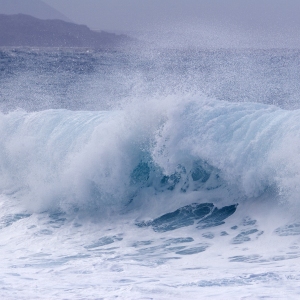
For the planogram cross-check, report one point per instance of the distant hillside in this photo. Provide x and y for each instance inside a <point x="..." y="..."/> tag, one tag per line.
<point x="35" y="8"/>
<point x="24" y="30"/>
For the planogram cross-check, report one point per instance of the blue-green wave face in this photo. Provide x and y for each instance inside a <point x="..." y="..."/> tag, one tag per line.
<point x="197" y="149"/>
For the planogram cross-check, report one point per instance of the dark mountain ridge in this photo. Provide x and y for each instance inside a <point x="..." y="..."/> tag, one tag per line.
<point x="24" y="30"/>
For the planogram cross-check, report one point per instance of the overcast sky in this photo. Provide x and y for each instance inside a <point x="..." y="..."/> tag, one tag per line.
<point x="224" y="23"/>
<point x="258" y="21"/>
<point x="140" y="14"/>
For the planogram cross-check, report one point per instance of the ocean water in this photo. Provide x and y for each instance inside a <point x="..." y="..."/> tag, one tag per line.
<point x="154" y="174"/>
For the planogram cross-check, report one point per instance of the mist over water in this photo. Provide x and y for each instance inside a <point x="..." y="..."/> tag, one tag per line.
<point x="97" y="80"/>
<point x="124" y="165"/>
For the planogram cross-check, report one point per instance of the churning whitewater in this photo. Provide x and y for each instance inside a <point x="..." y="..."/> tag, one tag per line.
<point x="198" y="148"/>
<point x="163" y="195"/>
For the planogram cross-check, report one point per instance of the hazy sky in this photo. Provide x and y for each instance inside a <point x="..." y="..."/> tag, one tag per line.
<point x="140" y="14"/>
<point x="260" y="22"/>
<point x="224" y="23"/>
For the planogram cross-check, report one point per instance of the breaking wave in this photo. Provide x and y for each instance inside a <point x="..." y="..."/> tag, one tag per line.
<point x="157" y="155"/>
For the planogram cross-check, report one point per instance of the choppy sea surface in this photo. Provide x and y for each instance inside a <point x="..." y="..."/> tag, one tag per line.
<point x="151" y="174"/>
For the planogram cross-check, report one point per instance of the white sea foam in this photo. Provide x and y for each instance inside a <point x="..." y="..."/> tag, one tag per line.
<point x="59" y="158"/>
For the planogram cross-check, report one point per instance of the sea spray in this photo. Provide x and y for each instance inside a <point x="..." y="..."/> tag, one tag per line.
<point x="89" y="160"/>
